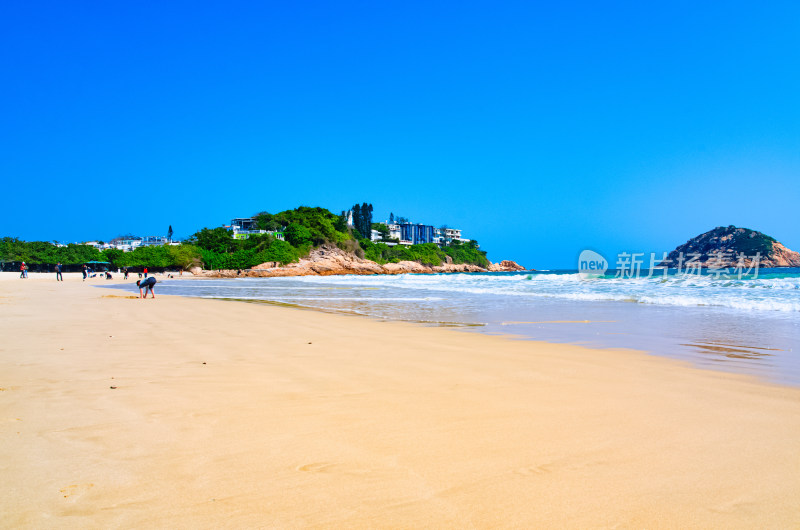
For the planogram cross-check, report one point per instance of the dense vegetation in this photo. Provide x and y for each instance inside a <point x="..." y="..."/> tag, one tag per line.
<point x="303" y="228"/>
<point x="362" y="219"/>
<point x="751" y="242"/>
<point x="34" y="252"/>
<point x="427" y="253"/>
<point x="730" y="239"/>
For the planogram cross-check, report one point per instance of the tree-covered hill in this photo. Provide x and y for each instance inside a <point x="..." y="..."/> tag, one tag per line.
<point x="724" y="245"/>
<point x="303" y="229"/>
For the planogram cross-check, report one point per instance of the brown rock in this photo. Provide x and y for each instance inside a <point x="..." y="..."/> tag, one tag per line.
<point x="459" y="267"/>
<point x="406" y="267"/>
<point x="330" y="260"/>
<point x="506" y="266"/>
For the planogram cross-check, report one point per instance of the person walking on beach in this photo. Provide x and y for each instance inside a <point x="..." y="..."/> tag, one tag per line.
<point x="145" y="272"/>
<point x="23" y="270"/>
<point x="145" y="285"/>
<point x="126" y="273"/>
<point x="85" y="272"/>
<point x="59" y="277"/>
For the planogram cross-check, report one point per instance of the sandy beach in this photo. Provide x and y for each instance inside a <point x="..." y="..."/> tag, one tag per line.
<point x="190" y="413"/>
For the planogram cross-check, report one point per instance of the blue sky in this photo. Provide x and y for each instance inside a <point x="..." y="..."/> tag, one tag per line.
<point x="538" y="129"/>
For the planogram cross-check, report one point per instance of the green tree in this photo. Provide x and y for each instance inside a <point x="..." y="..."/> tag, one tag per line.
<point x="217" y="239"/>
<point x="297" y="235"/>
<point x="382" y="229"/>
<point x="366" y="219"/>
<point x="184" y="256"/>
<point x="362" y="219"/>
<point x="356" y="210"/>
<point x="341" y="222"/>
<point x="113" y="255"/>
<point x="267" y="221"/>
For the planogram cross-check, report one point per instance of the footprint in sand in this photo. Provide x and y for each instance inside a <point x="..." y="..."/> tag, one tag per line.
<point x="73" y="491"/>
<point x="331" y="467"/>
<point x="316" y="467"/>
<point x="536" y="470"/>
<point x="734" y="505"/>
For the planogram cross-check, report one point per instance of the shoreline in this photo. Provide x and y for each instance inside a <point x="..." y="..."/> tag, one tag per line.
<point x="249" y="414"/>
<point x="758" y="344"/>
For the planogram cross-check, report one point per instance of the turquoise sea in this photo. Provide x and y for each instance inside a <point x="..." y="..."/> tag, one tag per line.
<point x="749" y="325"/>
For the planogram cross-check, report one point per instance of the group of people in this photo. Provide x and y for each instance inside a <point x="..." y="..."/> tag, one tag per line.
<point x="145" y="286"/>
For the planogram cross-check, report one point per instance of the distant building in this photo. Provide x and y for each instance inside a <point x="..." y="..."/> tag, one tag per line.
<point x="126" y="243"/>
<point x="243" y="227"/>
<point x="130" y="242"/>
<point x="445" y="236"/>
<point x="154" y="241"/>
<point x="394" y="230"/>
<point x="416" y="234"/>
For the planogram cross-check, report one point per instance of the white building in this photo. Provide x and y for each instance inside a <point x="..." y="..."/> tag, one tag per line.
<point x="154" y="241"/>
<point x="446" y="235"/>
<point x="129" y="242"/>
<point x="243" y="227"/>
<point x="126" y="243"/>
<point x="410" y="233"/>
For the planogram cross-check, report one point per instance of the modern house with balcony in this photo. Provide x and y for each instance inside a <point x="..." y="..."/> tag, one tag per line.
<point x="244" y="227"/>
<point x="444" y="236"/>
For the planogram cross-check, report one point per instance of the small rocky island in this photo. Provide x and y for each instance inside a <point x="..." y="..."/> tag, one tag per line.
<point x="722" y="246"/>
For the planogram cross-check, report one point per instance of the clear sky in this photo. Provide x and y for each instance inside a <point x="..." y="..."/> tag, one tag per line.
<point x="539" y="128"/>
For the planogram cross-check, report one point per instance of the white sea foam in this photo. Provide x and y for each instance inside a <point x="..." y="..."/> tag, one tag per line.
<point x="761" y="294"/>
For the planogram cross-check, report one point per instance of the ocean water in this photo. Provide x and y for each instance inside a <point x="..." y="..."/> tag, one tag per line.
<point x="748" y="325"/>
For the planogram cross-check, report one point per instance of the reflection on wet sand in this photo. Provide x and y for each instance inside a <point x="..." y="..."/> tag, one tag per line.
<point x="358" y="309"/>
<point x="559" y="322"/>
<point x="731" y="351"/>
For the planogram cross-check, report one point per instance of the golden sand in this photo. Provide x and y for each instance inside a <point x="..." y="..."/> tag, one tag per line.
<point x="189" y="413"/>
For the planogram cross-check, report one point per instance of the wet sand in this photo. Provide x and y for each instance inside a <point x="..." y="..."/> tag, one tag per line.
<point x="187" y="413"/>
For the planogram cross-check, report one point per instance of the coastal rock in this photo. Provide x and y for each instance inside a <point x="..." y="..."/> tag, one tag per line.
<point x="459" y="267"/>
<point x="722" y="246"/>
<point x="783" y="257"/>
<point x="406" y="267"/>
<point x="506" y="266"/>
<point x="329" y="260"/>
<point x="323" y="261"/>
<point x="266" y="265"/>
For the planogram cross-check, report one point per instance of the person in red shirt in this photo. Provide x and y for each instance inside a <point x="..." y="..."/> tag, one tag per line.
<point x="145" y="272"/>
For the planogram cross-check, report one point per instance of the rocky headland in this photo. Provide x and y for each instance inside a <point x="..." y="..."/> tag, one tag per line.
<point x="330" y="260"/>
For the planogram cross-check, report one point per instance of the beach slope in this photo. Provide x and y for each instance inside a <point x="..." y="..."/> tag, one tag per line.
<point x="188" y="413"/>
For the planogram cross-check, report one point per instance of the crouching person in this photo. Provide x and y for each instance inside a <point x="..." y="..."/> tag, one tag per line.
<point x="146" y="285"/>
